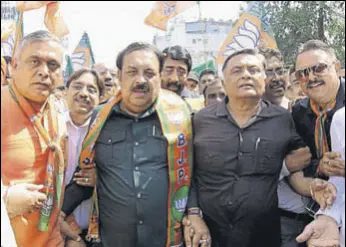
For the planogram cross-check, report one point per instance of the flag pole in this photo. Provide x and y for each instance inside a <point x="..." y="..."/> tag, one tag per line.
<point x="18" y="27"/>
<point x="203" y="29"/>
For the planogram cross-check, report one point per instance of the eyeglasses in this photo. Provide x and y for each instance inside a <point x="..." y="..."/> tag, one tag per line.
<point x="320" y="69"/>
<point x="277" y="71"/>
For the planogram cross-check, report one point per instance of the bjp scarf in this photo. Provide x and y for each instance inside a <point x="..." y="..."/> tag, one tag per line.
<point x="321" y="142"/>
<point x="55" y="165"/>
<point x="176" y="125"/>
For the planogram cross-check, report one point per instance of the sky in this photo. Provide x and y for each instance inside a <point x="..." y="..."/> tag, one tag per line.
<point x="112" y="25"/>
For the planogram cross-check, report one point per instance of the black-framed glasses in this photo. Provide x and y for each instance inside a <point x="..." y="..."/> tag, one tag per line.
<point x="278" y="71"/>
<point x="319" y="69"/>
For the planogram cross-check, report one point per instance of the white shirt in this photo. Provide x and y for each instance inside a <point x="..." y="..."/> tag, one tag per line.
<point x="289" y="200"/>
<point x="7" y="236"/>
<point x="337" y="211"/>
<point x="76" y="136"/>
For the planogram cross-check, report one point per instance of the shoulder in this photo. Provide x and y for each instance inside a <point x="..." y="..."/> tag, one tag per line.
<point x="207" y="112"/>
<point x="300" y="107"/>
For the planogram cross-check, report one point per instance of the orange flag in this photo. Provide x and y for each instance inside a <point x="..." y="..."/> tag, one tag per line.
<point x="165" y="10"/>
<point x="252" y="30"/>
<point x="52" y="19"/>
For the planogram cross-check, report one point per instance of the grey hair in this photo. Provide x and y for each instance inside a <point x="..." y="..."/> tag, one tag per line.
<point x="312" y="45"/>
<point x="36" y="36"/>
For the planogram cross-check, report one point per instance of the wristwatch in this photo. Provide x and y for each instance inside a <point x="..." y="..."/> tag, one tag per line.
<point x="195" y="211"/>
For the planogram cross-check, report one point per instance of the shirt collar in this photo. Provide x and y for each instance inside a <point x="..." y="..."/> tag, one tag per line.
<point x="118" y="111"/>
<point x="69" y="121"/>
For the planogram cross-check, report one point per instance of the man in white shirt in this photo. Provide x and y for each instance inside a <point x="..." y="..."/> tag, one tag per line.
<point x="324" y="231"/>
<point x="84" y="91"/>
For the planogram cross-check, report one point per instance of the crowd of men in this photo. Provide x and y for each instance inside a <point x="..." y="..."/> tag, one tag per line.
<point x="151" y="154"/>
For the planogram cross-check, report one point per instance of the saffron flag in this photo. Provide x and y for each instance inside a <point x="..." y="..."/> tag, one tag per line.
<point x="165" y="10"/>
<point x="11" y="23"/>
<point x="82" y="56"/>
<point x="252" y="30"/>
<point x="52" y="19"/>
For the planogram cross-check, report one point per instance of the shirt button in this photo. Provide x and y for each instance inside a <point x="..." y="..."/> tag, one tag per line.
<point x="136" y="144"/>
<point x="139" y="195"/>
<point x="137" y="168"/>
<point x="240" y="154"/>
<point x="230" y="203"/>
<point x="109" y="140"/>
<point x="136" y="120"/>
<point x="141" y="222"/>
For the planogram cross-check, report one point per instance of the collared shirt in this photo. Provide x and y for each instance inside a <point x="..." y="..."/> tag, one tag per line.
<point x="24" y="160"/>
<point x="76" y="136"/>
<point x="305" y="121"/>
<point x="132" y="172"/>
<point x="237" y="171"/>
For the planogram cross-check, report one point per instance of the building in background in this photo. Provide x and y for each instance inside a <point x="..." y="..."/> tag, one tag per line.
<point x="201" y="38"/>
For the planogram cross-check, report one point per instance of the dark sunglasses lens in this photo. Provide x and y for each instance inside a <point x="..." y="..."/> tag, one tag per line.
<point x="320" y="68"/>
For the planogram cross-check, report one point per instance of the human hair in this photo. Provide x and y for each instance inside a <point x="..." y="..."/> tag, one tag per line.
<point x="253" y="52"/>
<point x="312" y="45"/>
<point x="138" y="46"/>
<point x="77" y="74"/>
<point x="8" y="59"/>
<point x="207" y="72"/>
<point x="216" y="82"/>
<point x="40" y="35"/>
<point x="180" y="54"/>
<point x="269" y="53"/>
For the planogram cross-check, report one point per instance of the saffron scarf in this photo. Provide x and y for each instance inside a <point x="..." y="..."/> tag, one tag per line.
<point x="55" y="165"/>
<point x="176" y="124"/>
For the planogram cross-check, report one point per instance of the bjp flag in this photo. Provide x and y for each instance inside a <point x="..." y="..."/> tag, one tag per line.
<point x="52" y="19"/>
<point x="82" y="56"/>
<point x="252" y="30"/>
<point x="165" y="10"/>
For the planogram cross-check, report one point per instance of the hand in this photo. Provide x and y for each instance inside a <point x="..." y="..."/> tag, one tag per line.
<point x="73" y="243"/>
<point x="86" y="177"/>
<point x="298" y="159"/>
<point x="196" y="232"/>
<point x="323" y="192"/>
<point x="66" y="229"/>
<point x="322" y="232"/>
<point x="331" y="165"/>
<point x="24" y="199"/>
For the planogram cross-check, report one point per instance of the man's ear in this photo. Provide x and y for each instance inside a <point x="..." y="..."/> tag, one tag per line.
<point x="119" y="77"/>
<point x="338" y="67"/>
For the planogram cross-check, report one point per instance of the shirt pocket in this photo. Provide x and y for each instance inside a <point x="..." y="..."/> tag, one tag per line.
<point x="157" y="145"/>
<point x="267" y="157"/>
<point x="110" y="146"/>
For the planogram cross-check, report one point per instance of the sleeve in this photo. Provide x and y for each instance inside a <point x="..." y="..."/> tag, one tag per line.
<point x="337" y="133"/>
<point x="339" y="205"/>
<point x="296" y="142"/>
<point x="284" y="171"/>
<point x="74" y="195"/>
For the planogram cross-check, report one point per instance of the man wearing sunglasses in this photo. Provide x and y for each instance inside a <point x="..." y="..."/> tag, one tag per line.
<point x="317" y="70"/>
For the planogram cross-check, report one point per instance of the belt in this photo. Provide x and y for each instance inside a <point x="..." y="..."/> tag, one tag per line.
<point x="294" y="216"/>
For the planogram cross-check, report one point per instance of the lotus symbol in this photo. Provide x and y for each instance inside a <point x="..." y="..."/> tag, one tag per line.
<point x="248" y="37"/>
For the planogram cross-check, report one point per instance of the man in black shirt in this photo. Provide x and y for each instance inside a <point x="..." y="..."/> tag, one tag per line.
<point x="240" y="145"/>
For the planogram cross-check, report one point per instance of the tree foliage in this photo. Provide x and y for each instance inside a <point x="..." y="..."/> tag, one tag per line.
<point x="295" y="22"/>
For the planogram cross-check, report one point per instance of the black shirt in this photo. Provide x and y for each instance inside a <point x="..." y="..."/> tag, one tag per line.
<point x="237" y="171"/>
<point x="132" y="172"/>
<point x="305" y="121"/>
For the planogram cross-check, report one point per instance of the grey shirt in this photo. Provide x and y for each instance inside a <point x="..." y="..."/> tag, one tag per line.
<point x="132" y="170"/>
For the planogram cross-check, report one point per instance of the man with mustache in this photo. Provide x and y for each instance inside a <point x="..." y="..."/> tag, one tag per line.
<point x="240" y="144"/>
<point x="32" y="141"/>
<point x="141" y="145"/>
<point x="84" y="89"/>
<point x="108" y="79"/>
<point x="177" y="65"/>
<point x="317" y="70"/>
<point x="292" y="205"/>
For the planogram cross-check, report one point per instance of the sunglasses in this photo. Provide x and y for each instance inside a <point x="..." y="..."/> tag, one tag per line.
<point x="320" y="69"/>
<point x="278" y="71"/>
